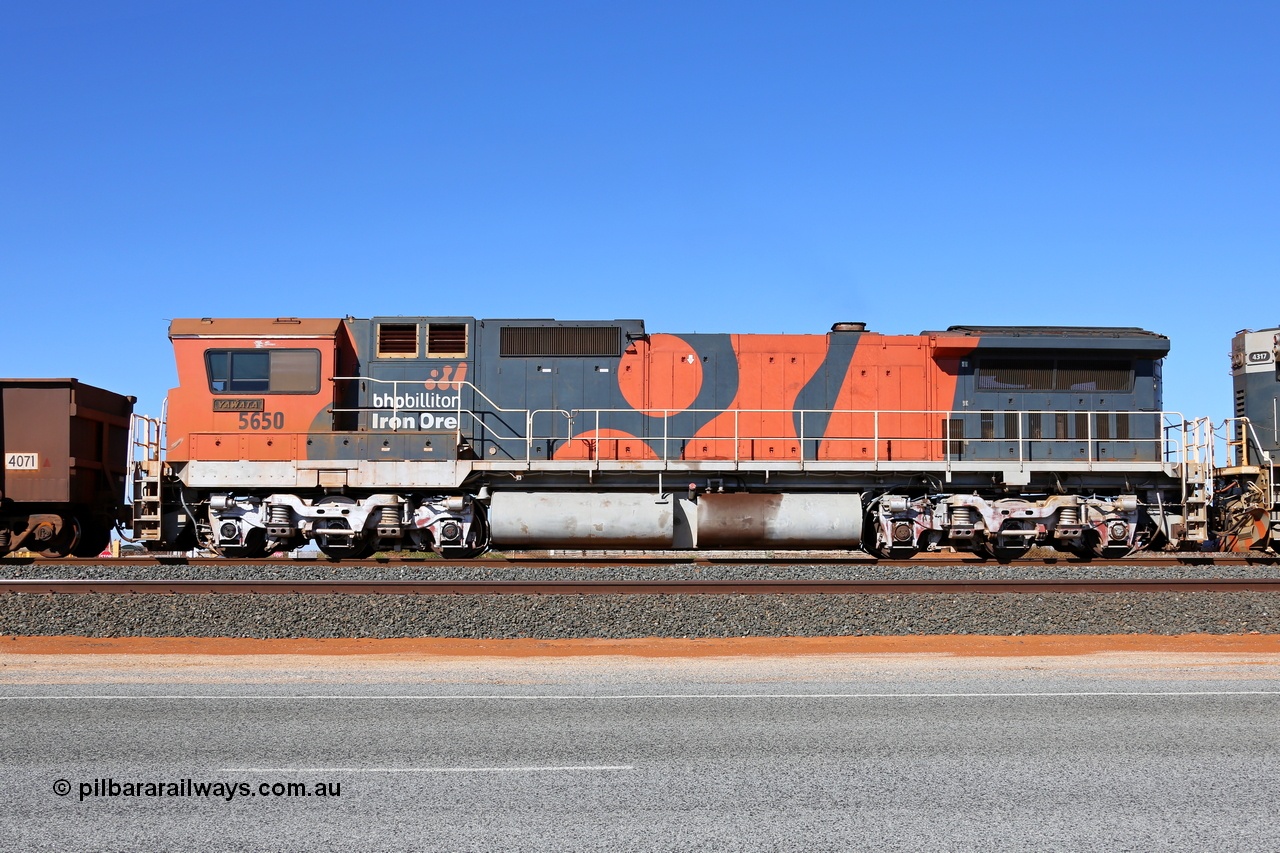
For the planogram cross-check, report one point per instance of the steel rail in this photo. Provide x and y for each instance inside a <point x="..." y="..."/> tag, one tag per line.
<point x="690" y="558"/>
<point x="699" y="587"/>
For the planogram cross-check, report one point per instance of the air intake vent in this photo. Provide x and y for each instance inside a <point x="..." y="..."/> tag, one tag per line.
<point x="447" y="339"/>
<point x="397" y="340"/>
<point x="567" y="341"/>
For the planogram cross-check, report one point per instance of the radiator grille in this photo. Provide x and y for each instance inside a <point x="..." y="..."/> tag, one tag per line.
<point x="1044" y="375"/>
<point x="550" y="341"/>
<point x="1015" y="375"/>
<point x="1094" y="376"/>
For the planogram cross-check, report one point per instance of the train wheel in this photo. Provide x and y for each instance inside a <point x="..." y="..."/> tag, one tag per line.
<point x="284" y="546"/>
<point x="336" y="547"/>
<point x="64" y="542"/>
<point x="1005" y="553"/>
<point x="879" y="550"/>
<point x="1090" y="546"/>
<point x="479" y="540"/>
<point x="987" y="550"/>
<point x="1009" y="553"/>
<point x="255" y="546"/>
<point x="885" y="550"/>
<point x="94" y="539"/>
<point x="894" y="553"/>
<point x="353" y="547"/>
<point x="344" y="547"/>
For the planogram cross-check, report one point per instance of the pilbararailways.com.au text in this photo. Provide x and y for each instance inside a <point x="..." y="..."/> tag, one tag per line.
<point x="227" y="791"/>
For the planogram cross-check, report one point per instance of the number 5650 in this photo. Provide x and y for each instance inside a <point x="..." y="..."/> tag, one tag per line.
<point x="262" y="420"/>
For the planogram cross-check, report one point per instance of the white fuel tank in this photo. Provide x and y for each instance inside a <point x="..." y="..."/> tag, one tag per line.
<point x="582" y="519"/>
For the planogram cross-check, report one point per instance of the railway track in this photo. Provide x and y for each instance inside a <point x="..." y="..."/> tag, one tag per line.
<point x="609" y="587"/>
<point x="544" y="560"/>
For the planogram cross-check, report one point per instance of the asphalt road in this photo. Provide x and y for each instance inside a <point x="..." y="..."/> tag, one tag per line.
<point x="1111" y="752"/>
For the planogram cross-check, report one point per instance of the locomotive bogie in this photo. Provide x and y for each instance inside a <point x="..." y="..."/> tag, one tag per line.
<point x="342" y="525"/>
<point x="47" y="534"/>
<point x="1005" y="527"/>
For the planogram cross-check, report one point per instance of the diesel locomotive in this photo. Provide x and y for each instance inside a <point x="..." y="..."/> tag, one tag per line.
<point x="458" y="435"/>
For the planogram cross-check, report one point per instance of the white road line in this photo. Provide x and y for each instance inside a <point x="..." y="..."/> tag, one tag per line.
<point x="616" y="697"/>
<point x="601" y="768"/>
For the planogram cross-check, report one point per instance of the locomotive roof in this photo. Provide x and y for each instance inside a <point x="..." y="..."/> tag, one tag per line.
<point x="1057" y="331"/>
<point x="279" y="327"/>
<point x="1114" y="338"/>
<point x="1096" y="338"/>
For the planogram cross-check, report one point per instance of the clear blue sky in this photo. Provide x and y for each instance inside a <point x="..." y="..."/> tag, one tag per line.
<point x="712" y="167"/>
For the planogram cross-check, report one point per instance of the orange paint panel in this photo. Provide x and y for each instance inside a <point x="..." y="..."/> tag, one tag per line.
<point x="271" y="448"/>
<point x="605" y="444"/>
<point x="772" y="371"/>
<point x="215" y="447"/>
<point x="234" y="446"/>
<point x="662" y="373"/>
<point x="765" y="449"/>
<point x="898" y="378"/>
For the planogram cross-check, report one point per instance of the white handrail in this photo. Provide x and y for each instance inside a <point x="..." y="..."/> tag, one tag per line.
<point x="1166" y="443"/>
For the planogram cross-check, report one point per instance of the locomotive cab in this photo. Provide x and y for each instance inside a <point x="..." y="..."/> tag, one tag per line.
<point x="288" y="430"/>
<point x="254" y="397"/>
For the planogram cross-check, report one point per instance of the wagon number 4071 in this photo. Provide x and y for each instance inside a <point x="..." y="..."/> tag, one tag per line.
<point x="262" y="420"/>
<point x="21" y="461"/>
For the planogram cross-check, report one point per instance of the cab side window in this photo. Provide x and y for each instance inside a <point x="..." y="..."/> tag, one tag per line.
<point x="257" y="371"/>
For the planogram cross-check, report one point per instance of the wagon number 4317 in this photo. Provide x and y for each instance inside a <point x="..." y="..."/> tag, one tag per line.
<point x="262" y="420"/>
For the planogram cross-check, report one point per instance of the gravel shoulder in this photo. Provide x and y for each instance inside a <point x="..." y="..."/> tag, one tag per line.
<point x="622" y="617"/>
<point x="636" y="616"/>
